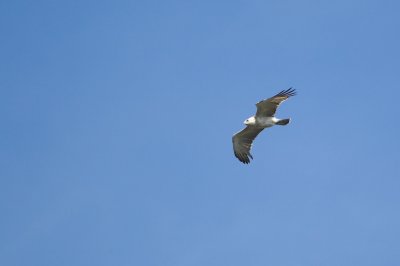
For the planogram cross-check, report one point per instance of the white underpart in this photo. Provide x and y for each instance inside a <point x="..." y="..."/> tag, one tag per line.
<point x="267" y="121"/>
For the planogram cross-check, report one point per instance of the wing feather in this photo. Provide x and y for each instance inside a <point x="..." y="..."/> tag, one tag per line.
<point x="268" y="107"/>
<point x="242" y="142"/>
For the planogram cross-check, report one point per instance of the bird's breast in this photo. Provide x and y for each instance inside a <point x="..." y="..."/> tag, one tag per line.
<point x="266" y="121"/>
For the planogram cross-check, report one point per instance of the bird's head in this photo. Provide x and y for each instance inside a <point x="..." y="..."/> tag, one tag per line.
<point x="250" y="121"/>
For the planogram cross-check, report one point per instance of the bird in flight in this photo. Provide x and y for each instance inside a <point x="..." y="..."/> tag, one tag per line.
<point x="264" y="118"/>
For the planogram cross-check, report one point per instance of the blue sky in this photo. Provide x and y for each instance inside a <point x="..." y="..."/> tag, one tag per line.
<point x="117" y="119"/>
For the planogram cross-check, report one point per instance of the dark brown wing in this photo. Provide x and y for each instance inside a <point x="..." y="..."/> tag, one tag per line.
<point x="268" y="107"/>
<point x="242" y="142"/>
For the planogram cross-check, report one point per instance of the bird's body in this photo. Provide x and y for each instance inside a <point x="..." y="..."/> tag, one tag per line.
<point x="264" y="118"/>
<point x="265" y="122"/>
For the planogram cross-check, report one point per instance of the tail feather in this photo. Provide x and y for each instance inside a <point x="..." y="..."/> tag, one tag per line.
<point x="283" y="122"/>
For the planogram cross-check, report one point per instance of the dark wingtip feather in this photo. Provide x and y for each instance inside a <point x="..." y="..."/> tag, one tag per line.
<point x="243" y="158"/>
<point x="288" y="93"/>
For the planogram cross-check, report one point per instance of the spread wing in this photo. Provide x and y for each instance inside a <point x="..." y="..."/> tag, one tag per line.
<point x="242" y="142"/>
<point x="268" y="107"/>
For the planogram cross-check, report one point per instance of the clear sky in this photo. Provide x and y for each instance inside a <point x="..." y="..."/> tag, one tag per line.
<point x="117" y="118"/>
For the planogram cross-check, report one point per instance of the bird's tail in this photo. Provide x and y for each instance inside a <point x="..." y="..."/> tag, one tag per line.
<point x="283" y="122"/>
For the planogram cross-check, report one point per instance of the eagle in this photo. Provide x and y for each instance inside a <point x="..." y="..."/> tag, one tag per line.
<point x="264" y="118"/>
